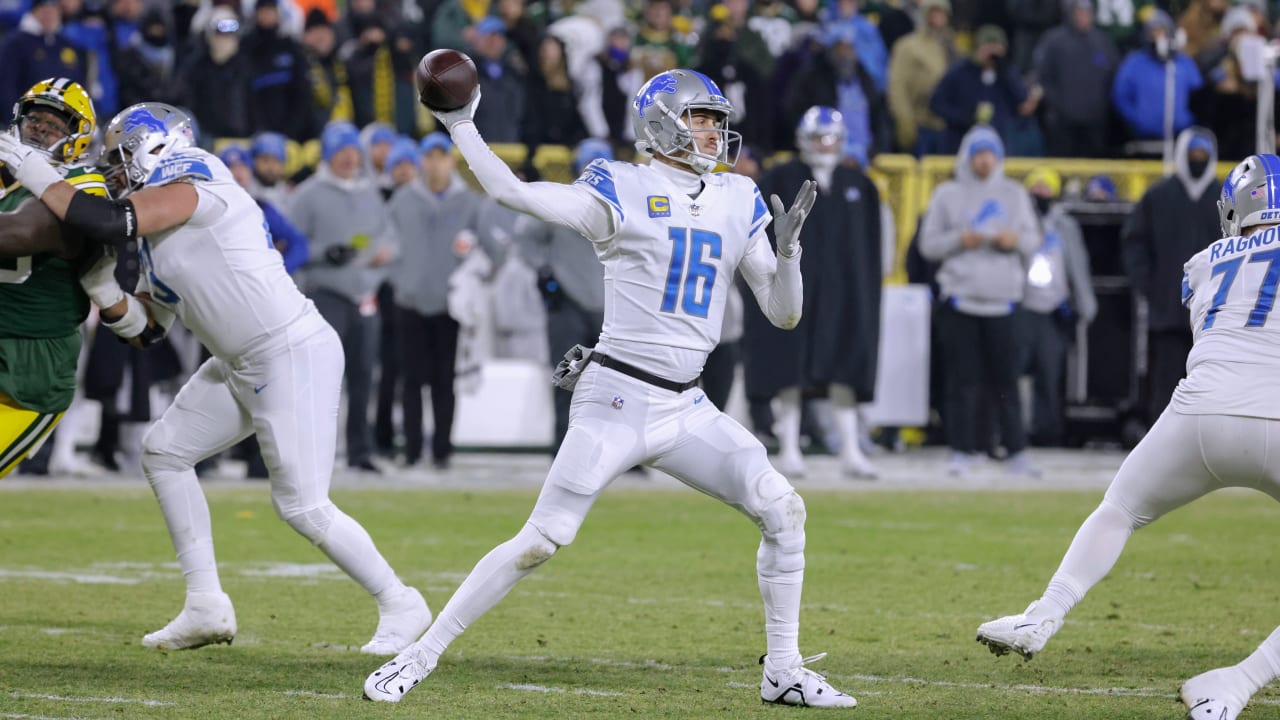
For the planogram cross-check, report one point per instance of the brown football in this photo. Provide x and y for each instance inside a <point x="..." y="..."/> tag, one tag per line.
<point x="446" y="79"/>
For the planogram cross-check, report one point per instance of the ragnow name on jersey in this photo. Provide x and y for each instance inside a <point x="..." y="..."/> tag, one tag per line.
<point x="1234" y="366"/>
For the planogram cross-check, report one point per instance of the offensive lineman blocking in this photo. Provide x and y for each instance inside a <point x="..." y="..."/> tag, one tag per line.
<point x="667" y="233"/>
<point x="1216" y="432"/>
<point x="276" y="368"/>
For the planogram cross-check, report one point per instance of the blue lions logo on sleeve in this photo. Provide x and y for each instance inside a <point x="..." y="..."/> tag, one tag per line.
<point x="142" y="118"/>
<point x="664" y="83"/>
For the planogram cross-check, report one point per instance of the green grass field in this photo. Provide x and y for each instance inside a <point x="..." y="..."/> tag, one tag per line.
<point x="653" y="612"/>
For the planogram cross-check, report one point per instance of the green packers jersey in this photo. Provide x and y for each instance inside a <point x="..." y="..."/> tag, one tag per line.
<point x="41" y="302"/>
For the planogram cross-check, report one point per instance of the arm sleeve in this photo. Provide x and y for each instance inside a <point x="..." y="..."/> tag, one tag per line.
<point x="775" y="281"/>
<point x="938" y="238"/>
<point x="574" y="206"/>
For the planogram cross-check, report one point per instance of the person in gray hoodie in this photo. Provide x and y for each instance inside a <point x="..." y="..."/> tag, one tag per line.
<point x="436" y="219"/>
<point x="982" y="229"/>
<point x="1059" y="297"/>
<point x="351" y="244"/>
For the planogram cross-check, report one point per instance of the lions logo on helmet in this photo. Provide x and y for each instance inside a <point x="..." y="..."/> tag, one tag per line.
<point x="662" y="117"/>
<point x="139" y="139"/>
<point x="1250" y="195"/>
<point x="66" y="99"/>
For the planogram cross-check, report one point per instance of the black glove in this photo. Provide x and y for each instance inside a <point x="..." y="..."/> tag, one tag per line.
<point x="340" y="254"/>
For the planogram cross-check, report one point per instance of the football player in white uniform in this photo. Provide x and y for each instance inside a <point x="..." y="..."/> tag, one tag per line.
<point x="276" y="369"/>
<point x="1215" y="433"/>
<point x="670" y="235"/>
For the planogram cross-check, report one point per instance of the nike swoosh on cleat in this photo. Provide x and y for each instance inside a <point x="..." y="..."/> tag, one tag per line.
<point x="259" y="388"/>
<point x="1024" y="625"/>
<point x="771" y="681"/>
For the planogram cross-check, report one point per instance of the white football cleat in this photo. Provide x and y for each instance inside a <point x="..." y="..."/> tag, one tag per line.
<point x="394" y="680"/>
<point x="857" y="465"/>
<point x="400" y="626"/>
<point x="206" y="619"/>
<point x="1215" y="695"/>
<point x="800" y="686"/>
<point x="1024" y="635"/>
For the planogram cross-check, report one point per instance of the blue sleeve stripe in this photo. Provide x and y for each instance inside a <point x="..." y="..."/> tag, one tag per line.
<point x="598" y="178"/>
<point x="178" y="168"/>
<point x="760" y="210"/>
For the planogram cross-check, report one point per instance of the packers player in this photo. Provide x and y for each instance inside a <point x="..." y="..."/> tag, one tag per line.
<point x="48" y="273"/>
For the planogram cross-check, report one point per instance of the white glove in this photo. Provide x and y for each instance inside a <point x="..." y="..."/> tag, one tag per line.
<point x="787" y="224"/>
<point x="29" y="166"/>
<point x="465" y="113"/>
<point x="99" y="281"/>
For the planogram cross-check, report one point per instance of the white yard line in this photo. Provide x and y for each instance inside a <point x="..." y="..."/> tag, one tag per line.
<point x="65" y="698"/>
<point x="546" y="689"/>
<point x="20" y="716"/>
<point x="326" y="696"/>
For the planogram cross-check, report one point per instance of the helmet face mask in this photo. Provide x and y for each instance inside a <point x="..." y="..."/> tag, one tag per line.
<point x="667" y="116"/>
<point x="138" y="139"/>
<point x="56" y="117"/>
<point x="821" y="135"/>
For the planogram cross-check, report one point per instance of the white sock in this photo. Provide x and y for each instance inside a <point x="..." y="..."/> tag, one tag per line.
<point x="186" y="514"/>
<point x="64" y="440"/>
<point x="781" y="593"/>
<point x="350" y="548"/>
<point x="845" y="411"/>
<point x="787" y="423"/>
<point x="1093" y="552"/>
<point x="1263" y="665"/>
<point x="489" y="582"/>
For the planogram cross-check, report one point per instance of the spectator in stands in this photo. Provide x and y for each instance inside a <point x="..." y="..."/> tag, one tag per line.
<point x="836" y="78"/>
<point x="376" y="140"/>
<point x="656" y="47"/>
<point x="125" y="20"/>
<point x="330" y="92"/>
<point x="1030" y="20"/>
<point x="1176" y="218"/>
<point x="1059" y="296"/>
<point x="838" y="341"/>
<point x="1139" y="90"/>
<point x="36" y="51"/>
<point x="352" y="241"/>
<point x="453" y="22"/>
<point x="1100" y="188"/>
<point x="1122" y="20"/>
<point x="982" y="228"/>
<point x="269" y="152"/>
<point x="1229" y="102"/>
<point x="145" y="69"/>
<point x="983" y="90"/>
<point x="866" y="39"/>
<point x="500" y="118"/>
<point x="370" y="61"/>
<point x="279" y="85"/>
<point x="1201" y="21"/>
<point x="619" y="82"/>
<point x="404" y="168"/>
<point x="551" y="101"/>
<point x="571" y="280"/>
<point x="213" y="83"/>
<point x="1260" y="13"/>
<point x="1074" y="64"/>
<point x="918" y="62"/>
<point x="774" y="20"/>
<point x="896" y="20"/>
<point x="86" y="28"/>
<point x="519" y="316"/>
<point x="436" y="220"/>
<point x="737" y="59"/>
<point x="524" y="34"/>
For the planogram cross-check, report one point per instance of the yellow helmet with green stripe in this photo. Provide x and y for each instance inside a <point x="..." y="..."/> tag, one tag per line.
<point x="67" y="99"/>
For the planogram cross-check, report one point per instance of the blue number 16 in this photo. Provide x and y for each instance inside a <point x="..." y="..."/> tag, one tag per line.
<point x="687" y="250"/>
<point x="1228" y="269"/>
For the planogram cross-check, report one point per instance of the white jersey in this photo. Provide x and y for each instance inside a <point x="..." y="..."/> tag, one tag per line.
<point x="669" y="266"/>
<point x="1234" y="366"/>
<point x="219" y="272"/>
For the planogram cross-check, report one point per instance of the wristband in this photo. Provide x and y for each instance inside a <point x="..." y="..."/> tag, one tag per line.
<point x="133" y="322"/>
<point x="109" y="221"/>
<point x="37" y="175"/>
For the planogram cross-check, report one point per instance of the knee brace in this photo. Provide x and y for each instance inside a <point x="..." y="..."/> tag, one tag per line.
<point x="311" y="524"/>
<point x="534" y="547"/>
<point x="782" y="530"/>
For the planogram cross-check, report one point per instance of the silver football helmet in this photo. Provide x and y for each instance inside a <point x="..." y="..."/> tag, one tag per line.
<point x="138" y="139"/>
<point x="821" y="133"/>
<point x="1250" y="195"/>
<point x="662" y="115"/>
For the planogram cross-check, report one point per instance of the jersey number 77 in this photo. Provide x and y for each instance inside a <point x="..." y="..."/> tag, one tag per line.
<point x="1229" y="269"/>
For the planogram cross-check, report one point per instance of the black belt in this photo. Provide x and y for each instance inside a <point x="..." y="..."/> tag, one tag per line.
<point x="637" y="373"/>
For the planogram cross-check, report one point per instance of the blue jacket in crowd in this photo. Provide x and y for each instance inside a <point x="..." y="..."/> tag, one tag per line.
<point x="94" y="38"/>
<point x="1138" y="92"/>
<point x="295" y="250"/>
<point x="26" y="59"/>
